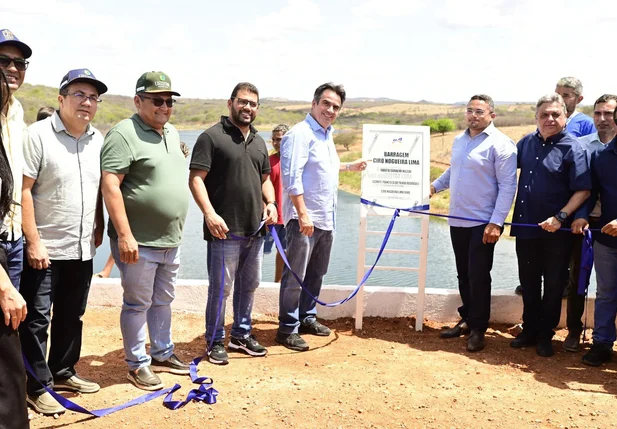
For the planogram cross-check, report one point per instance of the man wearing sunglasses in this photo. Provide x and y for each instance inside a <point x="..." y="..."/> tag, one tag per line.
<point x="63" y="225"/>
<point x="13" y="63"/>
<point x="144" y="186"/>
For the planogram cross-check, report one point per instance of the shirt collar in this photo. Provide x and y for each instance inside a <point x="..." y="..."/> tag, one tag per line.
<point x="145" y="126"/>
<point x="14" y="109"/>
<point x="488" y="130"/>
<point x="58" y="125"/>
<point x="552" y="139"/>
<point x="315" y="126"/>
<point x="229" y="127"/>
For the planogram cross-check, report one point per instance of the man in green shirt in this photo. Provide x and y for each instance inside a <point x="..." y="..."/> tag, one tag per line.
<point x="146" y="193"/>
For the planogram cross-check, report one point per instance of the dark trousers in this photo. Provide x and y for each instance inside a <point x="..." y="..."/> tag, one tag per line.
<point x="543" y="258"/>
<point x="474" y="261"/>
<point x="13" y="412"/>
<point x="576" y="302"/>
<point x="65" y="285"/>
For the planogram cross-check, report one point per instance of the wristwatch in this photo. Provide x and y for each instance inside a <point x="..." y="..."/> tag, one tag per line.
<point x="561" y="216"/>
<point x="274" y="203"/>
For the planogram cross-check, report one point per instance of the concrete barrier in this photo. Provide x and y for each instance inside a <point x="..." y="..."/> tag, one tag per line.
<point x="441" y="304"/>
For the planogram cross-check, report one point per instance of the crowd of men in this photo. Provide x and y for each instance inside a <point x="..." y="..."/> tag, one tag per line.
<point x="64" y="169"/>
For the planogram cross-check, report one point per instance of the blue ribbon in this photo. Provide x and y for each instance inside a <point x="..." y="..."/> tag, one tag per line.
<point x="586" y="263"/>
<point x="204" y="393"/>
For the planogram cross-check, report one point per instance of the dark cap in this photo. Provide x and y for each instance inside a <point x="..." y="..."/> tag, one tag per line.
<point x="153" y="82"/>
<point x="8" y="38"/>
<point x="82" y="75"/>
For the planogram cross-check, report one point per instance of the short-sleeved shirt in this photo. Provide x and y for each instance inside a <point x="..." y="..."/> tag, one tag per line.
<point x="235" y="166"/>
<point x="551" y="171"/>
<point x="67" y="175"/>
<point x="155" y="185"/>
<point x="579" y="124"/>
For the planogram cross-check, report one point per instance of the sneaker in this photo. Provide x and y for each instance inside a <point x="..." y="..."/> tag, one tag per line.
<point x="248" y="345"/>
<point x="45" y="404"/>
<point x="217" y="354"/>
<point x="145" y="379"/>
<point x="172" y="365"/>
<point x="314" y="328"/>
<point x="572" y="343"/>
<point x="76" y="384"/>
<point x="597" y="355"/>
<point x="292" y="341"/>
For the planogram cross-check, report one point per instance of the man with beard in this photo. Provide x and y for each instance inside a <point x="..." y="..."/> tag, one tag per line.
<point x="229" y="179"/>
<point x="577" y="123"/>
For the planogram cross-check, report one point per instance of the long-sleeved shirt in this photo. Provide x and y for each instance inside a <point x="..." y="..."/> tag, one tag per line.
<point x="481" y="177"/>
<point x="310" y="167"/>
<point x="552" y="170"/>
<point x="603" y="164"/>
<point x="592" y="143"/>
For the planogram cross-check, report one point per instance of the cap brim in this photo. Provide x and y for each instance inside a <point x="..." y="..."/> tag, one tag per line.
<point x="100" y="86"/>
<point x="161" y="91"/>
<point x="25" y="49"/>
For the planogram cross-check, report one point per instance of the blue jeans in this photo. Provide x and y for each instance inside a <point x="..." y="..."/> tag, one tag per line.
<point x="148" y="293"/>
<point x="269" y="240"/>
<point x="15" y="259"/>
<point x="242" y="261"/>
<point x="309" y="258"/>
<point x="605" y="261"/>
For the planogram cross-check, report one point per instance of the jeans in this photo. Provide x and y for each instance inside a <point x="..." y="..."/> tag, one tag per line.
<point x="269" y="240"/>
<point x="242" y="261"/>
<point x="540" y="258"/>
<point x="149" y="288"/>
<point x="605" y="261"/>
<point x="474" y="261"/>
<point x="15" y="259"/>
<point x="65" y="285"/>
<point x="309" y="258"/>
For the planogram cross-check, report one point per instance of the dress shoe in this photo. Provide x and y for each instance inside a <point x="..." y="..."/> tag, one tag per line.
<point x="523" y="340"/>
<point x="598" y="354"/>
<point x="475" y="342"/>
<point x="572" y="343"/>
<point x="45" y="404"/>
<point x="459" y="329"/>
<point x="545" y="348"/>
<point x="76" y="383"/>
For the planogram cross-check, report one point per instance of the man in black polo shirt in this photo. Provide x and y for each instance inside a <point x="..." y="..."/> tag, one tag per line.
<point x="554" y="182"/>
<point x="230" y="182"/>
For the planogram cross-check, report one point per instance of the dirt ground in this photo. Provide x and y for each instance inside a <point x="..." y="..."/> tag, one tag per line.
<point x="387" y="376"/>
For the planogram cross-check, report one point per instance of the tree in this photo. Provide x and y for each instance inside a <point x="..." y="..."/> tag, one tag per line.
<point x="345" y="139"/>
<point x="443" y="126"/>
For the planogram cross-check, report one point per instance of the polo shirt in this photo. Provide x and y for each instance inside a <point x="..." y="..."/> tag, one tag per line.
<point x="67" y="174"/>
<point x="579" y="124"/>
<point x="551" y="171"/>
<point x="155" y="185"/>
<point x="604" y="180"/>
<point x="235" y="166"/>
<point x="13" y="130"/>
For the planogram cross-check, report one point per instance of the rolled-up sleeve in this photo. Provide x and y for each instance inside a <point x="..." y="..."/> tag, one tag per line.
<point x="294" y="156"/>
<point x="443" y="181"/>
<point x="505" y="173"/>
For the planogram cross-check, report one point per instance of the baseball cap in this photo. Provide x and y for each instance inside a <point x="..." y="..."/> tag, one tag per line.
<point x="154" y="81"/>
<point x="8" y="38"/>
<point x="82" y="75"/>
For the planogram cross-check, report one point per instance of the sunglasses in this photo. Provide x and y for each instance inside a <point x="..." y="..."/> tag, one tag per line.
<point x="158" y="101"/>
<point x="20" y="63"/>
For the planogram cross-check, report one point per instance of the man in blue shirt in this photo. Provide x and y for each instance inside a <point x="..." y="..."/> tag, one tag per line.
<point x="309" y="167"/>
<point x="603" y="111"/>
<point x="571" y="90"/>
<point x="553" y="183"/>
<point x="605" y="253"/>
<point x="482" y="180"/>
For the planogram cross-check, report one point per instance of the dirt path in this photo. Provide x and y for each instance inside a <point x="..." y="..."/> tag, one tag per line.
<point x="387" y="376"/>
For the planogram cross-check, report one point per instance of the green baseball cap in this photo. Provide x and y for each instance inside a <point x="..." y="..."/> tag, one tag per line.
<point x="153" y="82"/>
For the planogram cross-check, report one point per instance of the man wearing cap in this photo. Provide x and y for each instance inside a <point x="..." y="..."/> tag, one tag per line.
<point x="63" y="225"/>
<point x="146" y="194"/>
<point x="13" y="55"/>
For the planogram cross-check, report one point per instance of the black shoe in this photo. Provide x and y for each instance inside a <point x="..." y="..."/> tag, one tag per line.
<point x="518" y="290"/>
<point x="572" y="343"/>
<point x="523" y="340"/>
<point x="217" y="354"/>
<point x="545" y="348"/>
<point x="248" y="345"/>
<point x="475" y="342"/>
<point x="292" y="341"/>
<point x="597" y="355"/>
<point x="459" y="329"/>
<point x="145" y="379"/>
<point x="314" y="328"/>
<point x="172" y="365"/>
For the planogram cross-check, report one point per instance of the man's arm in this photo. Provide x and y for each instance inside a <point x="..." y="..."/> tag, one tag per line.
<point x="357" y="165"/>
<point x="505" y="173"/>
<point x="12" y="303"/>
<point x="441" y="183"/>
<point x="267" y="190"/>
<point x="294" y="156"/>
<point x="552" y="224"/>
<point x="216" y="225"/>
<point x="127" y="245"/>
<point x="36" y="252"/>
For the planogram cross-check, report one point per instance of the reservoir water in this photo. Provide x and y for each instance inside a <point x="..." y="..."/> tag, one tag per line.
<point x="441" y="271"/>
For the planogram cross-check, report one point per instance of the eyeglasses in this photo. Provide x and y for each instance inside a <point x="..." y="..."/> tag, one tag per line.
<point x="158" y="101"/>
<point x="477" y="112"/>
<point x="20" y="63"/>
<point x="242" y="102"/>
<point x="81" y="97"/>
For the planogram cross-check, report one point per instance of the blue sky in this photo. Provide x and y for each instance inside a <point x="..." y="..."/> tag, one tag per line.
<point x="438" y="50"/>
